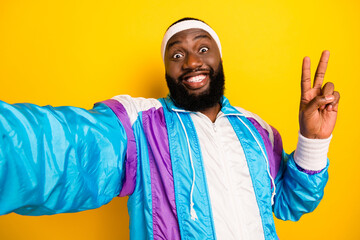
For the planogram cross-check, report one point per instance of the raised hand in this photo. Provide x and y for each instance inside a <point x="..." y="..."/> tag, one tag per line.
<point x="318" y="105"/>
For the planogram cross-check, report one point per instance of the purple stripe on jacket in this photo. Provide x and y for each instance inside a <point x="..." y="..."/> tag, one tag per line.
<point x="277" y="150"/>
<point x="274" y="154"/>
<point x="165" y="224"/>
<point x="131" y="152"/>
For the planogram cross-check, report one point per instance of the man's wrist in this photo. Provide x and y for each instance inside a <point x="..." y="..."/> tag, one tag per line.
<point x="311" y="154"/>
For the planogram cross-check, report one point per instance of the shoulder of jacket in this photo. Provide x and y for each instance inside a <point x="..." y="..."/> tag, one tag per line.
<point x="134" y="106"/>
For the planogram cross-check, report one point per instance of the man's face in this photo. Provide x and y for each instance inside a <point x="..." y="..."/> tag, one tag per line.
<point x="194" y="70"/>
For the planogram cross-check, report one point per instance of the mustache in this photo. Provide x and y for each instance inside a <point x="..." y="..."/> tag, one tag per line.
<point x="210" y="70"/>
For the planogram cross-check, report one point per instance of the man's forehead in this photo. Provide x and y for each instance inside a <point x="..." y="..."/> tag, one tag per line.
<point x="179" y="28"/>
<point x="192" y="34"/>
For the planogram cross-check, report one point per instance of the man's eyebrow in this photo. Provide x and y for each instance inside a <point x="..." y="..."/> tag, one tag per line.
<point x="172" y="44"/>
<point x="201" y="36"/>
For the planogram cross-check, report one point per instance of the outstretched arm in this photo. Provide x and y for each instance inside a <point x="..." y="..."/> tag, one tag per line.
<point x="55" y="160"/>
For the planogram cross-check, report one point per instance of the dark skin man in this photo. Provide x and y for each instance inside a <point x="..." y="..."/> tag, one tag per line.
<point x="195" y="49"/>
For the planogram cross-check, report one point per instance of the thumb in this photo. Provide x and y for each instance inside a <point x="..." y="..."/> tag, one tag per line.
<point x="318" y="102"/>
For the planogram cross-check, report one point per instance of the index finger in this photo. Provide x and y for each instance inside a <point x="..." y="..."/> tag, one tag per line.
<point x="305" y="76"/>
<point x="321" y="69"/>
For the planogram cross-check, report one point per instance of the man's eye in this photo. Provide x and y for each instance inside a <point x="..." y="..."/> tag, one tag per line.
<point x="177" y="55"/>
<point x="203" y="49"/>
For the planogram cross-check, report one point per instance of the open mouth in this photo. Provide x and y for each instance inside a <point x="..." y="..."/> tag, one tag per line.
<point x="195" y="81"/>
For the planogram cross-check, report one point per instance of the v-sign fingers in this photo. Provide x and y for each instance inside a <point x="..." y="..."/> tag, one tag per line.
<point x="321" y="69"/>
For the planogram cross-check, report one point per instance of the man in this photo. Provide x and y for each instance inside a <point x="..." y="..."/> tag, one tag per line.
<point x="194" y="166"/>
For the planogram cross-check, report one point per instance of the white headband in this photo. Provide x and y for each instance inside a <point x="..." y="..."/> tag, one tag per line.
<point x="185" y="25"/>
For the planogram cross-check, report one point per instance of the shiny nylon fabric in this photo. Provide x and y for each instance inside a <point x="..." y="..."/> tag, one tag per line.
<point x="151" y="206"/>
<point x="298" y="192"/>
<point x="257" y="167"/>
<point x="274" y="154"/>
<point x="278" y="150"/>
<point x="203" y="227"/>
<point x="165" y="225"/>
<point x="131" y="152"/>
<point x="55" y="160"/>
<point x="70" y="159"/>
<point x="140" y="201"/>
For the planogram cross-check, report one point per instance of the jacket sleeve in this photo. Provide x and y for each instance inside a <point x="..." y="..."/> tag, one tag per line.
<point x="297" y="191"/>
<point x="59" y="159"/>
<point x="300" y="177"/>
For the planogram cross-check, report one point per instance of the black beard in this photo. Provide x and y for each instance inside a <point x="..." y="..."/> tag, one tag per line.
<point x="198" y="102"/>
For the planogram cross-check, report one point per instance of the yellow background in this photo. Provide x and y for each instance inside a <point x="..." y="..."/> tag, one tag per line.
<point x="80" y="52"/>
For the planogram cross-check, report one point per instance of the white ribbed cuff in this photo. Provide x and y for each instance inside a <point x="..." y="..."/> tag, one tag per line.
<point x="311" y="154"/>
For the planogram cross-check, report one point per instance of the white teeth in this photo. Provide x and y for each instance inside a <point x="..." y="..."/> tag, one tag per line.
<point x="195" y="79"/>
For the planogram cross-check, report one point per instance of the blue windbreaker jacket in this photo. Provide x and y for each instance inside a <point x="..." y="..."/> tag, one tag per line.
<point x="67" y="159"/>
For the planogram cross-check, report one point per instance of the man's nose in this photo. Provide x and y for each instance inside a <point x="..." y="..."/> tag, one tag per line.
<point x="192" y="61"/>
